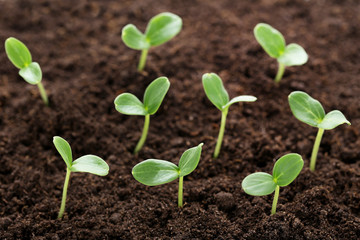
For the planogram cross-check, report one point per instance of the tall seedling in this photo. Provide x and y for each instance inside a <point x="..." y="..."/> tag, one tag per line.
<point x="310" y="111"/>
<point x="217" y="94"/>
<point x="30" y="71"/>
<point x="127" y="103"/>
<point x="88" y="163"/>
<point x="160" y="29"/>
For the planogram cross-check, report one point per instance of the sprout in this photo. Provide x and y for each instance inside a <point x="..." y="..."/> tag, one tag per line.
<point x="311" y="112"/>
<point x="127" y="103"/>
<point x="285" y="170"/>
<point x="30" y="71"/>
<point x="160" y="29"/>
<point x="218" y="95"/>
<point x="88" y="163"/>
<point x="153" y="172"/>
<point x="273" y="43"/>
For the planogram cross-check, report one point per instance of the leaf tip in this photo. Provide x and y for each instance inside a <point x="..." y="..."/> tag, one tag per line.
<point x="205" y="76"/>
<point x="8" y="40"/>
<point x="166" y="80"/>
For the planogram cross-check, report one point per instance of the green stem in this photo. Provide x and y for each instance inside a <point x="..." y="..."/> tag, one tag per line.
<point x="275" y="201"/>
<point x="316" y="149"/>
<point x="63" y="201"/>
<point x="221" y="133"/>
<point x="144" y="134"/>
<point x="280" y="72"/>
<point x="180" y="192"/>
<point x="43" y="93"/>
<point x="142" y="61"/>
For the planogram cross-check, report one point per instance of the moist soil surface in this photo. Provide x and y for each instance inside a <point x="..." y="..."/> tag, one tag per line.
<point x="86" y="65"/>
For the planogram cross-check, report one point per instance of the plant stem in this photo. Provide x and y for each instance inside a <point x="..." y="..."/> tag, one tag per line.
<point x="142" y="61"/>
<point x="316" y="149"/>
<point x="144" y="134"/>
<point x="180" y="192"/>
<point x="221" y="133"/>
<point x="43" y="93"/>
<point x="63" y="201"/>
<point x="280" y="72"/>
<point x="275" y="201"/>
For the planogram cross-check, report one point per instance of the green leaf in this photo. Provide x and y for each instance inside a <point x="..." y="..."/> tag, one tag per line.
<point x="294" y="55"/>
<point x="133" y="38"/>
<point x="154" y="172"/>
<point x="155" y="93"/>
<point x="162" y="28"/>
<point x="332" y="120"/>
<point x="90" y="164"/>
<point x="127" y="103"/>
<point x="189" y="160"/>
<point x="287" y="168"/>
<point x="306" y="108"/>
<point x="258" y="184"/>
<point x="214" y="90"/>
<point x="32" y="73"/>
<point x="17" y="52"/>
<point x="243" y="98"/>
<point x="270" y="39"/>
<point x="64" y="149"/>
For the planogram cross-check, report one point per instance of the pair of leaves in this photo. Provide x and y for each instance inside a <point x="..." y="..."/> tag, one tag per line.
<point x="129" y="104"/>
<point x="20" y="56"/>
<point x="88" y="163"/>
<point x="310" y="111"/>
<point x="217" y="94"/>
<point x="153" y="172"/>
<point x="160" y="29"/>
<point x="285" y="170"/>
<point x="274" y="44"/>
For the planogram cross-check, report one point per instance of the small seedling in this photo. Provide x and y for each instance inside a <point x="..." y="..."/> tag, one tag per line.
<point x="285" y="170"/>
<point x="88" y="163"/>
<point x="30" y="71"/>
<point x="153" y="172"/>
<point x="218" y="95"/>
<point x="160" y="29"/>
<point x="274" y="44"/>
<point x="310" y="111"/>
<point x="127" y="103"/>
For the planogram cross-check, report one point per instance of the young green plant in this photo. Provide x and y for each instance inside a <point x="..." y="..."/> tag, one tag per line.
<point x="160" y="29"/>
<point x="88" y="163"/>
<point x="153" y="172"/>
<point x="274" y="44"/>
<point x="310" y="111"/>
<point x="30" y="71"/>
<point x="127" y="103"/>
<point x="285" y="170"/>
<point x="217" y="94"/>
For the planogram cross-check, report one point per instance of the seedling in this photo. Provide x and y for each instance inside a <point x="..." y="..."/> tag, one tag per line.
<point x="88" y="163"/>
<point x="127" y="103"/>
<point x="153" y="172"/>
<point x="274" y="44"/>
<point x="30" y="71"/>
<point x="218" y="95"/>
<point x="285" y="170"/>
<point x="160" y="29"/>
<point x="311" y="112"/>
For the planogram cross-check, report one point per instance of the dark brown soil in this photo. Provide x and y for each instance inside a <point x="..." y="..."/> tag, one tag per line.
<point x="86" y="65"/>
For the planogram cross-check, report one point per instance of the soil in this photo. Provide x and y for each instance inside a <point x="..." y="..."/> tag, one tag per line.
<point x="86" y="65"/>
